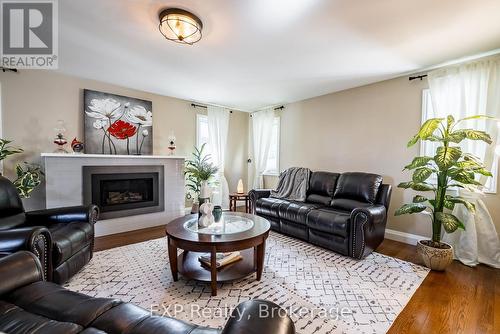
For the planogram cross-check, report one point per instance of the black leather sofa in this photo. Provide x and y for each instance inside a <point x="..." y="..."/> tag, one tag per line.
<point x="62" y="238"/>
<point x="30" y="305"/>
<point x="346" y="213"/>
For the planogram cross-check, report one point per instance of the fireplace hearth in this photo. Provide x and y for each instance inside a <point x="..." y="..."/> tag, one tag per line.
<point x="122" y="191"/>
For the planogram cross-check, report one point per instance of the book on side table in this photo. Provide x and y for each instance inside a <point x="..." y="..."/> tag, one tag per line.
<point x="222" y="259"/>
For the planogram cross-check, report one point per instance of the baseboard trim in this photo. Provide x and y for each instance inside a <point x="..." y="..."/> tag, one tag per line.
<point x="407" y="238"/>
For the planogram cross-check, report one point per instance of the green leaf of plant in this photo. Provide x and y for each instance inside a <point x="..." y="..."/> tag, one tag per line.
<point x="458" y="200"/>
<point x="463" y="176"/>
<point x="449" y="221"/>
<point x="422" y="186"/>
<point x="475" y="135"/>
<point x="446" y="157"/>
<point x="413" y="141"/>
<point x="410" y="208"/>
<point x="420" y="199"/>
<point x="456" y="137"/>
<point x="418" y="162"/>
<point x="468" y="164"/>
<point x="405" y="185"/>
<point x="449" y="205"/>
<point x="476" y="117"/>
<point x="483" y="171"/>
<point x="429" y="127"/>
<point x="450" y="120"/>
<point x="421" y="174"/>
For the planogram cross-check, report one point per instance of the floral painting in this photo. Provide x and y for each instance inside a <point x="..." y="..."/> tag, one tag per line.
<point x="117" y="124"/>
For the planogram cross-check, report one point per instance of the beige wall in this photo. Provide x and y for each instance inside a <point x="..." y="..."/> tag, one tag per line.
<point x="362" y="129"/>
<point x="33" y="101"/>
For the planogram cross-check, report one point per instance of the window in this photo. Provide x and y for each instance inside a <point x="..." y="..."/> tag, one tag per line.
<point x="429" y="148"/>
<point x="202" y="133"/>
<point x="273" y="160"/>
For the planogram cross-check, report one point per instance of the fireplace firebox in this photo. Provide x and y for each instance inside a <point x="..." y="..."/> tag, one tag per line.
<point x="124" y="190"/>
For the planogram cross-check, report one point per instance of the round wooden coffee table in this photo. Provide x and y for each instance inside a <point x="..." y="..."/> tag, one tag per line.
<point x="235" y="232"/>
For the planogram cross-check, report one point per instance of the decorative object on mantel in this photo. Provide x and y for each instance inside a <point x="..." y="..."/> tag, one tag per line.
<point x="28" y="177"/>
<point x="206" y="217"/>
<point x="77" y="146"/>
<point x="453" y="169"/>
<point x="199" y="171"/>
<point x="171" y="143"/>
<point x="239" y="188"/>
<point x="116" y="124"/>
<point x="59" y="140"/>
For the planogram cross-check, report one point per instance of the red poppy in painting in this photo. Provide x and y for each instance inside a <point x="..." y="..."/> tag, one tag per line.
<point x="122" y="130"/>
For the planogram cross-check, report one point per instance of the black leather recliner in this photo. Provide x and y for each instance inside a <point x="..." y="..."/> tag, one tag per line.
<point x="346" y="213"/>
<point x="30" y="305"/>
<point x="62" y="238"/>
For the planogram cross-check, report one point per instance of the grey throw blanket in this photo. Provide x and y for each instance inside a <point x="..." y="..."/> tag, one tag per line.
<point x="293" y="184"/>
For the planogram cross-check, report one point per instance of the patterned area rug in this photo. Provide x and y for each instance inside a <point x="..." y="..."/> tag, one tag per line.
<point x="323" y="292"/>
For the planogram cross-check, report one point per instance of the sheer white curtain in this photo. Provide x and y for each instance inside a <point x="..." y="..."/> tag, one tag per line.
<point x="262" y="128"/>
<point x="467" y="90"/>
<point x="218" y="127"/>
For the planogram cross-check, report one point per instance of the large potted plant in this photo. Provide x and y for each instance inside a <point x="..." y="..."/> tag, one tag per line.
<point x="199" y="170"/>
<point x="452" y="169"/>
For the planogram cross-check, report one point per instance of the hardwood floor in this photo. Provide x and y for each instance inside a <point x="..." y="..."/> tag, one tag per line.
<point x="459" y="300"/>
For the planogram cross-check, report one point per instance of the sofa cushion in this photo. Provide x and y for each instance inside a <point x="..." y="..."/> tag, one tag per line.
<point x="358" y="186"/>
<point x="268" y="206"/>
<point x="321" y="187"/>
<point x="329" y="220"/>
<point x="55" y="302"/>
<point x="69" y="238"/>
<point x="14" y="319"/>
<point x="345" y="204"/>
<point x="296" y="211"/>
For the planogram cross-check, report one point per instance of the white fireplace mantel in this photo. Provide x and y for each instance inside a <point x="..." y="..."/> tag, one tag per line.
<point x="64" y="186"/>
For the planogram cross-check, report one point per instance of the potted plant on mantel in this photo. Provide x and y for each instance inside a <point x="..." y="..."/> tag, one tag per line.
<point x="198" y="172"/>
<point x="453" y="169"/>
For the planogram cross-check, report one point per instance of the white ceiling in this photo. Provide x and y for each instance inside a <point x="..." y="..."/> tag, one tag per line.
<point x="256" y="53"/>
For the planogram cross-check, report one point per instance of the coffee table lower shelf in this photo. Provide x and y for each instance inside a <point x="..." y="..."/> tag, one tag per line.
<point x="190" y="267"/>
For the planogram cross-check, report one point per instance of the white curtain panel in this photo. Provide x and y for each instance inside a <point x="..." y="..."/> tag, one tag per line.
<point x="462" y="91"/>
<point x="262" y="127"/>
<point x="218" y="127"/>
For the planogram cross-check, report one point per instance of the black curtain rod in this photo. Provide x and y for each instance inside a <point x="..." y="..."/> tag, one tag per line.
<point x="418" y="77"/>
<point x="194" y="105"/>
<point x="5" y="69"/>
<point x="277" y="108"/>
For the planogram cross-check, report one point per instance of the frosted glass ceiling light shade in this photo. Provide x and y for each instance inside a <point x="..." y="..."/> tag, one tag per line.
<point x="180" y="26"/>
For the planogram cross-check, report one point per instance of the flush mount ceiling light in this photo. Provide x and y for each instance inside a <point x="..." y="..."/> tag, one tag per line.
<point x="180" y="26"/>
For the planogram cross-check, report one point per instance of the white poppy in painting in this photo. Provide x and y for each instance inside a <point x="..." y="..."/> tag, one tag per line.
<point x="99" y="124"/>
<point x="145" y="133"/>
<point x="139" y="115"/>
<point x="105" y="109"/>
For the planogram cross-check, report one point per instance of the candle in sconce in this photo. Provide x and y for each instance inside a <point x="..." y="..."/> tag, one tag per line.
<point x="239" y="189"/>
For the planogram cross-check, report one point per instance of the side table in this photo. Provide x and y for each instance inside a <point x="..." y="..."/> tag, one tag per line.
<point x="235" y="197"/>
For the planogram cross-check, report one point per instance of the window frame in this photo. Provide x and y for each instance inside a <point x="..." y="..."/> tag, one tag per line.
<point x="493" y="189"/>
<point x="198" y="118"/>
<point x="275" y="172"/>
